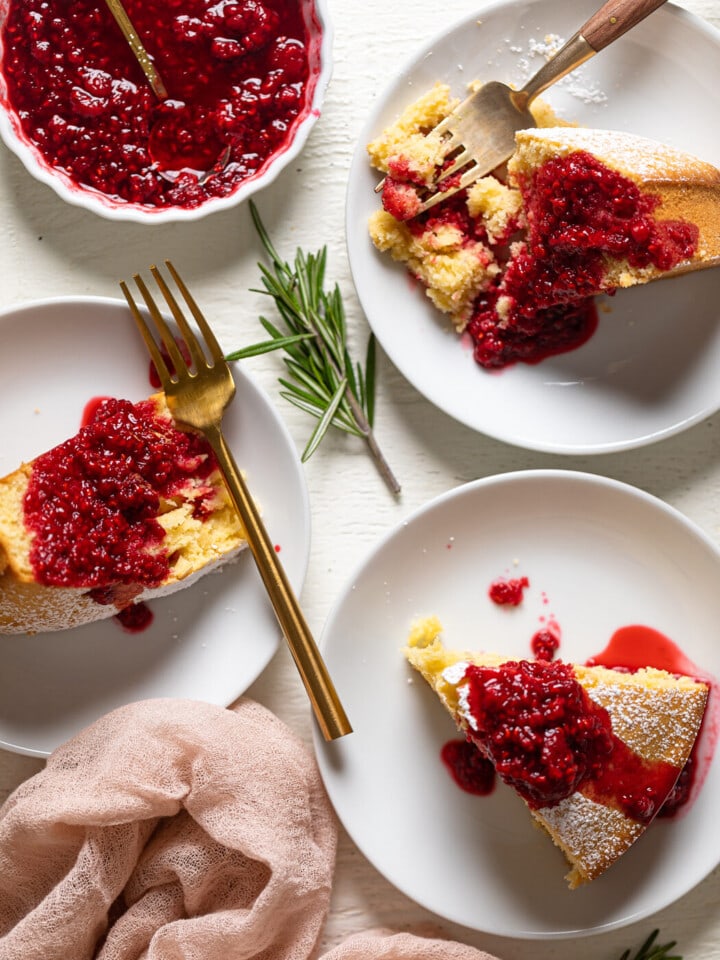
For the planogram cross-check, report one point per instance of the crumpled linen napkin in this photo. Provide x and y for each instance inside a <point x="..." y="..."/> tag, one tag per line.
<point x="169" y="829"/>
<point x="386" y="945"/>
<point x="177" y="830"/>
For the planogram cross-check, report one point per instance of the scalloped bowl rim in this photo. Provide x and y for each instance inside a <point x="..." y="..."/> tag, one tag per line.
<point x="105" y="207"/>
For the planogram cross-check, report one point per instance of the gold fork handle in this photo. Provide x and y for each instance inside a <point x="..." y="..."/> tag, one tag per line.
<point x="325" y="702"/>
<point x="611" y="21"/>
<point x="122" y="19"/>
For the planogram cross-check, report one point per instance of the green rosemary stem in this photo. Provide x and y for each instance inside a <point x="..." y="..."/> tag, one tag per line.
<point x="323" y="381"/>
<point x="653" y="951"/>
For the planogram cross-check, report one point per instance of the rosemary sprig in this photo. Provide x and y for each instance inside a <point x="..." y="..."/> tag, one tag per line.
<point x="321" y="377"/>
<point x="653" y="951"/>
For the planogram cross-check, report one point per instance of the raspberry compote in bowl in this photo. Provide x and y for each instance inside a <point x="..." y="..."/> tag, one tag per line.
<point x="245" y="82"/>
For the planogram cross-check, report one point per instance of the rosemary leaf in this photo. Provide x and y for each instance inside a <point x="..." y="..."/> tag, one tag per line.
<point x="312" y="398"/>
<point x="317" y="413"/>
<point x="315" y="406"/>
<point x="653" y="951"/>
<point x="355" y="380"/>
<point x="266" y="346"/>
<point x="370" y="379"/>
<point x="308" y="404"/>
<point x="324" y="422"/>
<point x="321" y="377"/>
<point x="318" y="387"/>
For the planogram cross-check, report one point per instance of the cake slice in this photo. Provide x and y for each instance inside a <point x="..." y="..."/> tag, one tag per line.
<point x="129" y="509"/>
<point x="593" y="752"/>
<point x="625" y="208"/>
<point x="517" y="258"/>
<point x="601" y="211"/>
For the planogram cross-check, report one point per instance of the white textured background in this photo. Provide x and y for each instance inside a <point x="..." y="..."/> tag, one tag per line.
<point x="49" y="249"/>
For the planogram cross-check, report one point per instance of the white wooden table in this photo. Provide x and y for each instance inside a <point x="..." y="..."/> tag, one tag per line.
<point x="49" y="249"/>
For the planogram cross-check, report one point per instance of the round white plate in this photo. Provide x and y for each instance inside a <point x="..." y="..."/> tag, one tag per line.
<point x="653" y="366"/>
<point x="599" y="555"/>
<point x="208" y="642"/>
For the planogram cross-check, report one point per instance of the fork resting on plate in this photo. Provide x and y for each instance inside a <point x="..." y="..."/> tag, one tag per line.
<point x="197" y="395"/>
<point x="479" y="134"/>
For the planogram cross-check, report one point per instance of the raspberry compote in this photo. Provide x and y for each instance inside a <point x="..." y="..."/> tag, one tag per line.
<point x="544" y="643"/>
<point x="508" y="591"/>
<point x="579" y="213"/>
<point x="546" y="737"/>
<point x="92" y="502"/>
<point x="470" y="770"/>
<point x="238" y="76"/>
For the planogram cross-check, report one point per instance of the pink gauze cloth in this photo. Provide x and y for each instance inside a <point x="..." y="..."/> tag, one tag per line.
<point x="386" y="945"/>
<point x="169" y="830"/>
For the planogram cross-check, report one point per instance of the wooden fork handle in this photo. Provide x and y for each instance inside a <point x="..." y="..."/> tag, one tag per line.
<point x="325" y="702"/>
<point x="614" y="19"/>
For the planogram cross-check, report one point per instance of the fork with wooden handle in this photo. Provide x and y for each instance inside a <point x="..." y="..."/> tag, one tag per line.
<point x="479" y="134"/>
<point x="197" y="396"/>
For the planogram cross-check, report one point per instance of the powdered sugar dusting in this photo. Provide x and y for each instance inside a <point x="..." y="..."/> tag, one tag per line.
<point x="455" y="672"/>
<point x="638" y="157"/>
<point x="591" y="834"/>
<point x="594" y="835"/>
<point x="454" y="675"/>
<point x="531" y="58"/>
<point x="676" y="716"/>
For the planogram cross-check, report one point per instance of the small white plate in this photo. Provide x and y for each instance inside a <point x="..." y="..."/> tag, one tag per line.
<point x="599" y="555"/>
<point x="208" y="642"/>
<point x="653" y="366"/>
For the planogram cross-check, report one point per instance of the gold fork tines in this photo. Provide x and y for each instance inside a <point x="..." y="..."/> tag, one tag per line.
<point x="479" y="134"/>
<point x="198" y="387"/>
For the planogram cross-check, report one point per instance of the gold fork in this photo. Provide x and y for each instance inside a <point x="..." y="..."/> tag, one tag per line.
<point x="479" y="134"/>
<point x="122" y="19"/>
<point x="197" y="396"/>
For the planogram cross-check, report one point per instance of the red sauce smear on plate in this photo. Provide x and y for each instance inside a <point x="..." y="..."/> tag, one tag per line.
<point x="637" y="646"/>
<point x="546" y="642"/>
<point x="508" y="591"/>
<point x="470" y="770"/>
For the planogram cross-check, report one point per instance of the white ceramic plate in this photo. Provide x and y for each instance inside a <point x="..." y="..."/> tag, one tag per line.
<point x="208" y="642"/>
<point x="653" y="367"/>
<point x="599" y="555"/>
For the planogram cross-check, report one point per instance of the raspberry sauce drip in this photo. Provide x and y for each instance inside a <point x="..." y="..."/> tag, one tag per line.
<point x="546" y="738"/>
<point x="135" y="618"/>
<point x="470" y="770"/>
<point x="579" y="212"/>
<point x="92" y="502"/>
<point x="546" y="642"/>
<point x="530" y="338"/>
<point x="636" y="646"/>
<point x="237" y="73"/>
